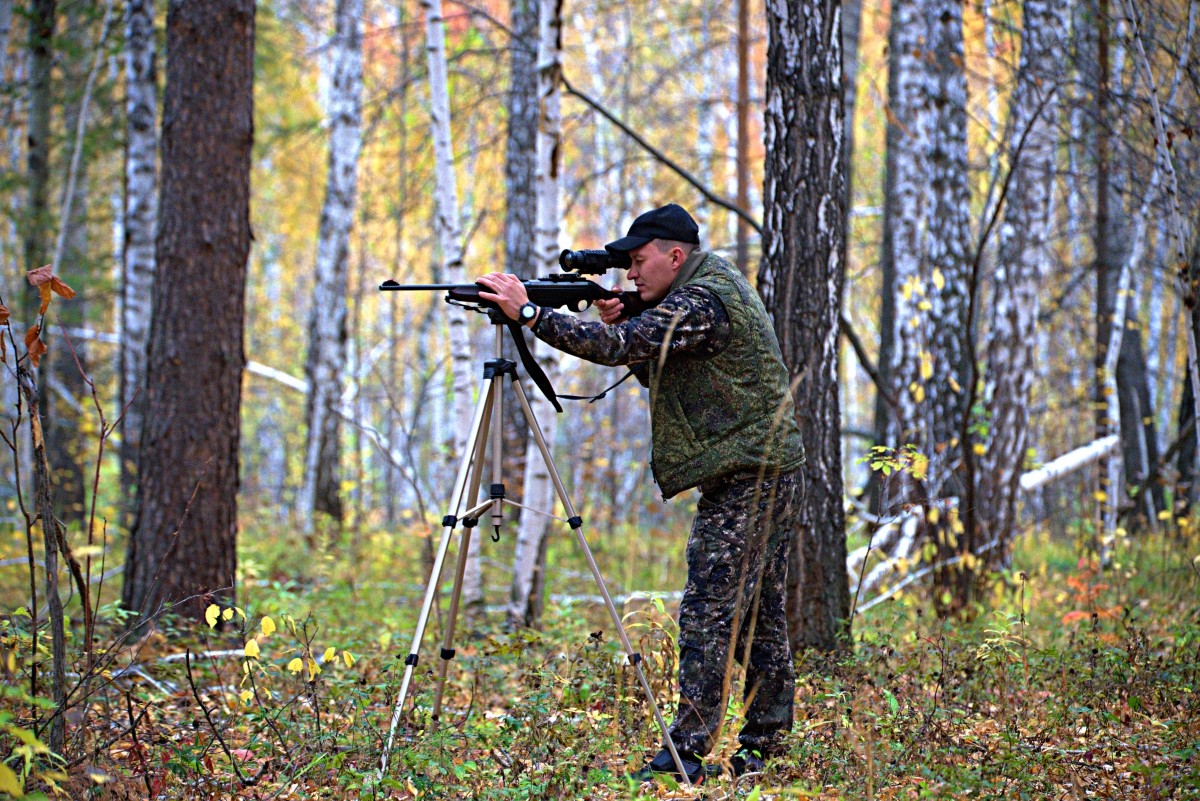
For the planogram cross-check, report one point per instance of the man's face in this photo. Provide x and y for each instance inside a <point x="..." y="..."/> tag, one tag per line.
<point x="653" y="272"/>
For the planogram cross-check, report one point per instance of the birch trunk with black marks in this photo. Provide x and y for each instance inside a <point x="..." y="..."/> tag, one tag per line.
<point x="906" y="222"/>
<point x="184" y="542"/>
<point x="520" y="173"/>
<point x="1024" y="245"/>
<point x="528" y="588"/>
<point x="140" y="216"/>
<point x="449" y="236"/>
<point x="320" y="492"/>
<point x="801" y="281"/>
<point x="949" y="248"/>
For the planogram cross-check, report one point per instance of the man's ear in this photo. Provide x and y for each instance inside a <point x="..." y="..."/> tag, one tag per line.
<point x="677" y="251"/>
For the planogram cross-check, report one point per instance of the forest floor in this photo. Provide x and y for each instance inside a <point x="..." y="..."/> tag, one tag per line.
<point x="1069" y="683"/>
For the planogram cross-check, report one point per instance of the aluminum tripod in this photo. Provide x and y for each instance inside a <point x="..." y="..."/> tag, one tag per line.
<point x="488" y="418"/>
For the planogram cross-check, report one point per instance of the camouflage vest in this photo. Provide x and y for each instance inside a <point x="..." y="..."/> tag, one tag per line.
<point x="726" y="414"/>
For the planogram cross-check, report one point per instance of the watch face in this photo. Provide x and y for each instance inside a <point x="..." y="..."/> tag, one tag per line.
<point x="528" y="311"/>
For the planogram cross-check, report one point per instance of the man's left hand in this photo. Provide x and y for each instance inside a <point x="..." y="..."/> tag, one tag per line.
<point x="506" y="291"/>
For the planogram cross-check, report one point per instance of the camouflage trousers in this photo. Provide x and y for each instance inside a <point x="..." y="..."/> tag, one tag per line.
<point x="733" y="609"/>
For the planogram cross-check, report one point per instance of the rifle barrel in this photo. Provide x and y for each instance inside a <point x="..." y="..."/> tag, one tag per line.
<point x="392" y="286"/>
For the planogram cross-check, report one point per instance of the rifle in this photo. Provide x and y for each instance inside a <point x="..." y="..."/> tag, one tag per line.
<point x="558" y="291"/>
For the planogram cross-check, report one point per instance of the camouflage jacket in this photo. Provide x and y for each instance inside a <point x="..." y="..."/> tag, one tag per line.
<point x="719" y="399"/>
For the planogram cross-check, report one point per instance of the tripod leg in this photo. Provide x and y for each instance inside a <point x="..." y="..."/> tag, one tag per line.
<point x="576" y="524"/>
<point x="464" y="545"/>
<point x="448" y="523"/>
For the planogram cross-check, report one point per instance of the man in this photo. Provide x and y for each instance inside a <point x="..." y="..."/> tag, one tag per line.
<point x="722" y="420"/>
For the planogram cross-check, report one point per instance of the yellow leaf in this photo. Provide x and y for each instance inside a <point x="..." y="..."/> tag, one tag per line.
<point x="227" y="614"/>
<point x="246" y="695"/>
<point x="9" y="782"/>
<point x="12" y="661"/>
<point x="939" y="280"/>
<point x="330" y="653"/>
<point x="954" y="385"/>
<point x="918" y="391"/>
<point x="241" y="614"/>
<point x="211" y="614"/>
<point x="1100" y="495"/>
<point x="348" y="659"/>
<point x="932" y="515"/>
<point x="1165" y="514"/>
<point x="979" y="448"/>
<point x="313" y="668"/>
<point x="268" y="627"/>
<point x="924" y="305"/>
<point x="907" y="289"/>
<point x="296" y="665"/>
<point x="926" y="366"/>
<point x="252" y="649"/>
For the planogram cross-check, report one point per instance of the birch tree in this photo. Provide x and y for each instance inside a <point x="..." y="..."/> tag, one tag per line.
<point x="184" y="543"/>
<point x="525" y="603"/>
<point x="948" y="248"/>
<point x="520" y="208"/>
<point x="138" y="224"/>
<point x="801" y="281"/>
<point x="906" y="213"/>
<point x="1023" y="256"/>
<point x="320" y="492"/>
<point x="449" y="235"/>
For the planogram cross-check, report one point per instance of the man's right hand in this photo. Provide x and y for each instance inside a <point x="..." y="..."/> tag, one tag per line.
<point x="611" y="311"/>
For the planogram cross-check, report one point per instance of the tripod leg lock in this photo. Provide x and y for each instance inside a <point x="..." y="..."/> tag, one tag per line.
<point x="635" y="659"/>
<point x="575" y="522"/>
<point x="449" y="521"/>
<point x="448" y="653"/>
<point x="470" y="522"/>
<point x="411" y="660"/>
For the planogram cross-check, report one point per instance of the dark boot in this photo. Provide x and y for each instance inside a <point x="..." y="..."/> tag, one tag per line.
<point x="662" y="764"/>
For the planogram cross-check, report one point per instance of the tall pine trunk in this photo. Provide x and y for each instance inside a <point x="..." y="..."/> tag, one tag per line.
<point x="320" y="492"/>
<point x="801" y="279"/>
<point x="184" y="542"/>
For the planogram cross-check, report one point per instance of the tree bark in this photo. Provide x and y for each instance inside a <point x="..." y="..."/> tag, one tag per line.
<point x="520" y="172"/>
<point x="320" y="492"/>
<point x="801" y="281"/>
<point x="1023" y="255"/>
<point x="138" y="224"/>
<point x="526" y="598"/>
<point x="449" y="232"/>
<point x="183" y="545"/>
<point x="36" y="219"/>
<point x="906" y="212"/>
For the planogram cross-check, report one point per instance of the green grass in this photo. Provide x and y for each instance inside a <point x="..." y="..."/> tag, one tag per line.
<point x="1069" y="682"/>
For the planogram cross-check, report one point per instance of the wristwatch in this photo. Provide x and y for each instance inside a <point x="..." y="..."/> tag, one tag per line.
<point x="527" y="313"/>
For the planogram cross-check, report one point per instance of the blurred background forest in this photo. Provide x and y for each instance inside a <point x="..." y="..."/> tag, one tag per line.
<point x="1001" y="239"/>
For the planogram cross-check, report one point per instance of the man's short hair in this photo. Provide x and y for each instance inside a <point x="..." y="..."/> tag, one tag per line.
<point x="663" y="245"/>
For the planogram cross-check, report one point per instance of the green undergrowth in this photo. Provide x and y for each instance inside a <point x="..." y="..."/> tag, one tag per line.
<point x="1069" y="681"/>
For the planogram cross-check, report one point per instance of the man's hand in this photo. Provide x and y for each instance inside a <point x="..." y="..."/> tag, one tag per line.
<point x="611" y="311"/>
<point x="506" y="291"/>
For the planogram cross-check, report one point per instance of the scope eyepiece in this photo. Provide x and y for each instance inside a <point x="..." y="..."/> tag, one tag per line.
<point x="591" y="262"/>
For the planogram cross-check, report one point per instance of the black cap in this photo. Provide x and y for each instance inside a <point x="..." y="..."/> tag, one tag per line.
<point x="670" y="222"/>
